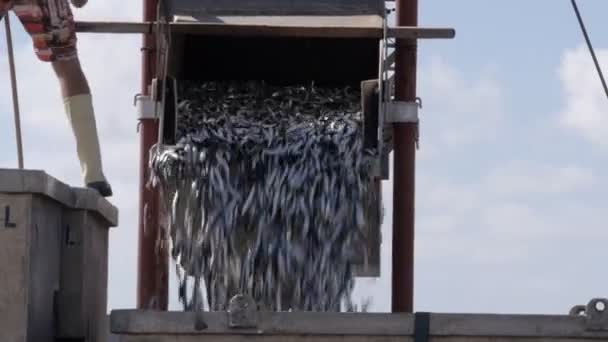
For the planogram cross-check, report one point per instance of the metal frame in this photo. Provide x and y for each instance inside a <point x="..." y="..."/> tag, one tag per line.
<point x="401" y="112"/>
<point x="404" y="164"/>
<point x="146" y="108"/>
<point x="150" y="27"/>
<point x="306" y="326"/>
<point x="153" y="262"/>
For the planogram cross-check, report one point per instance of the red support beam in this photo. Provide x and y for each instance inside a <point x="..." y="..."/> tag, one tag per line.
<point x="153" y="267"/>
<point x="405" y="135"/>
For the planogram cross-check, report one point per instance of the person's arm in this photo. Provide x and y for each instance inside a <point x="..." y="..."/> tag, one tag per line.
<point x="79" y="3"/>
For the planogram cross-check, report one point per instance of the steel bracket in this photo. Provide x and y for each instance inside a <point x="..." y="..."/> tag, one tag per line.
<point x="242" y="312"/>
<point x="422" y="326"/>
<point x="401" y="112"/>
<point x="595" y="312"/>
<point x="145" y="107"/>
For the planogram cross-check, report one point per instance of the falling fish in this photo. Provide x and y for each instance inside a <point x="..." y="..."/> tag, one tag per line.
<point x="269" y="193"/>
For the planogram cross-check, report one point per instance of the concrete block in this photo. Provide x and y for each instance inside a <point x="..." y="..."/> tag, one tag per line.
<point x="53" y="259"/>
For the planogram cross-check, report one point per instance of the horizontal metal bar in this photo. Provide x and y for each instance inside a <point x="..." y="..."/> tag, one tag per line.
<point x="266" y="30"/>
<point x="542" y="327"/>
<point x="401" y="112"/>
<point x="114" y="27"/>
<point x="409" y="32"/>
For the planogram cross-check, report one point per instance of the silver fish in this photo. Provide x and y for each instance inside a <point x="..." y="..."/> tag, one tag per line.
<point x="269" y="193"/>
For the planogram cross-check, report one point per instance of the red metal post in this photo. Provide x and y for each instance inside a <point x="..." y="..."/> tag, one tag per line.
<point x="153" y="267"/>
<point x="404" y="165"/>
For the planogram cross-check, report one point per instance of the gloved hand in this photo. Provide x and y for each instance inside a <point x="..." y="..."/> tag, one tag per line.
<point x="79" y="3"/>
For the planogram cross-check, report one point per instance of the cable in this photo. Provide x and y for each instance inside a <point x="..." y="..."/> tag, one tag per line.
<point x="590" y="46"/>
<point x="11" y="60"/>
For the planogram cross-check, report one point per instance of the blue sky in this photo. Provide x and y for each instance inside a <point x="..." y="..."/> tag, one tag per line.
<point x="534" y="184"/>
<point x="514" y="137"/>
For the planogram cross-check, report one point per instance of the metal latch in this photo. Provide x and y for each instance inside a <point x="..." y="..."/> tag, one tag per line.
<point x="145" y="107"/>
<point x="422" y="326"/>
<point x="402" y="112"/>
<point x="595" y="312"/>
<point x="242" y="312"/>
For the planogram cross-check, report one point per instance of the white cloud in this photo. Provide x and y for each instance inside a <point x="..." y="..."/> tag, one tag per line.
<point x="475" y="235"/>
<point x="461" y="108"/>
<point x="445" y="195"/>
<point x="530" y="178"/>
<point x="458" y="110"/>
<point x="115" y="10"/>
<point x="586" y="106"/>
<point x="490" y="246"/>
<point x="503" y="202"/>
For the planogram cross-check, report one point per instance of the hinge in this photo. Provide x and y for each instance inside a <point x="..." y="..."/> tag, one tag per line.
<point x="595" y="312"/>
<point x="422" y="326"/>
<point x="402" y="112"/>
<point x="145" y="107"/>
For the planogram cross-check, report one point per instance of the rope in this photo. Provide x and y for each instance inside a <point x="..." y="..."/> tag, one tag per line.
<point x="11" y="61"/>
<point x="590" y="46"/>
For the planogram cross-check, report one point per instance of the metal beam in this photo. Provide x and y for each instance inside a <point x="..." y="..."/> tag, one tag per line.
<point x="153" y="262"/>
<point x="328" y="326"/>
<point x="405" y="140"/>
<point x="148" y="27"/>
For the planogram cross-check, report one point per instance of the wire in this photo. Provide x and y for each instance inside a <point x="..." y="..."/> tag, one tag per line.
<point x="590" y="46"/>
<point x="11" y="60"/>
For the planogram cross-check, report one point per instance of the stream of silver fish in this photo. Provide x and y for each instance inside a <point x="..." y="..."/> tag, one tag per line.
<point x="268" y="193"/>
